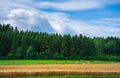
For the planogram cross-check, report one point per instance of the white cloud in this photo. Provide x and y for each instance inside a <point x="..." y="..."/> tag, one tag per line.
<point x="26" y="17"/>
<point x="27" y="20"/>
<point x="107" y="22"/>
<point x="57" y="20"/>
<point x="62" y="24"/>
<point x="69" y="5"/>
<point x="112" y="19"/>
<point x="23" y="15"/>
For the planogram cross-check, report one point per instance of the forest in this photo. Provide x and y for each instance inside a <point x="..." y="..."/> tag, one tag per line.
<point x="16" y="44"/>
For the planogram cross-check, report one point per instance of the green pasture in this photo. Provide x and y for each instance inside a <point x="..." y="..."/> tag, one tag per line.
<point x="33" y="62"/>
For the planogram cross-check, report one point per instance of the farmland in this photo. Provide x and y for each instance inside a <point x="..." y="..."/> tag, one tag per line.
<point x="58" y="68"/>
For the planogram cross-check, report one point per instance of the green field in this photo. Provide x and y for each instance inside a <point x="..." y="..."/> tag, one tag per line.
<point x="32" y="62"/>
<point x="74" y="77"/>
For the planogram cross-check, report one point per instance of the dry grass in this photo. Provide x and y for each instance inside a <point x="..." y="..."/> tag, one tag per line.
<point x="60" y="69"/>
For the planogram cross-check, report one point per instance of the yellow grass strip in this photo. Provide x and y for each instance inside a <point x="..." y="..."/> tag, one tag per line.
<point x="59" y="69"/>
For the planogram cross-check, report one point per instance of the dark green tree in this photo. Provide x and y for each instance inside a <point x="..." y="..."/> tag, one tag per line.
<point x="15" y="44"/>
<point x="31" y="54"/>
<point x="111" y="47"/>
<point x="20" y="53"/>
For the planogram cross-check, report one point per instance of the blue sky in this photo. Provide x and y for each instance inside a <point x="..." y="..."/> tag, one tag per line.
<point x="99" y="18"/>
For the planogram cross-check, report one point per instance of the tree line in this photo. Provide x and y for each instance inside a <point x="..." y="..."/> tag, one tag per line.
<point x="15" y="44"/>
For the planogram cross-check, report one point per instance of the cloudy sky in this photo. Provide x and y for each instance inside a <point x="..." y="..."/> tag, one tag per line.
<point x="88" y="17"/>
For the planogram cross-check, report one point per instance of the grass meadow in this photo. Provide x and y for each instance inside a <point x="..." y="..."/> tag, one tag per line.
<point x="33" y="62"/>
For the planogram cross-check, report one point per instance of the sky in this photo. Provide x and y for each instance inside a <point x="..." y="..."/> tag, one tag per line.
<point x="93" y="18"/>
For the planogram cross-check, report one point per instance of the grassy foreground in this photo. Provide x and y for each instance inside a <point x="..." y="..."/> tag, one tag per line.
<point x="33" y="62"/>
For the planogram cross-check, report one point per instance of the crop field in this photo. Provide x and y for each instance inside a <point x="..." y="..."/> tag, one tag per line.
<point x="59" y="70"/>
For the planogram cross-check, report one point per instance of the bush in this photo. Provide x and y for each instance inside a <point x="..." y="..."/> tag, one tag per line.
<point x="10" y="56"/>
